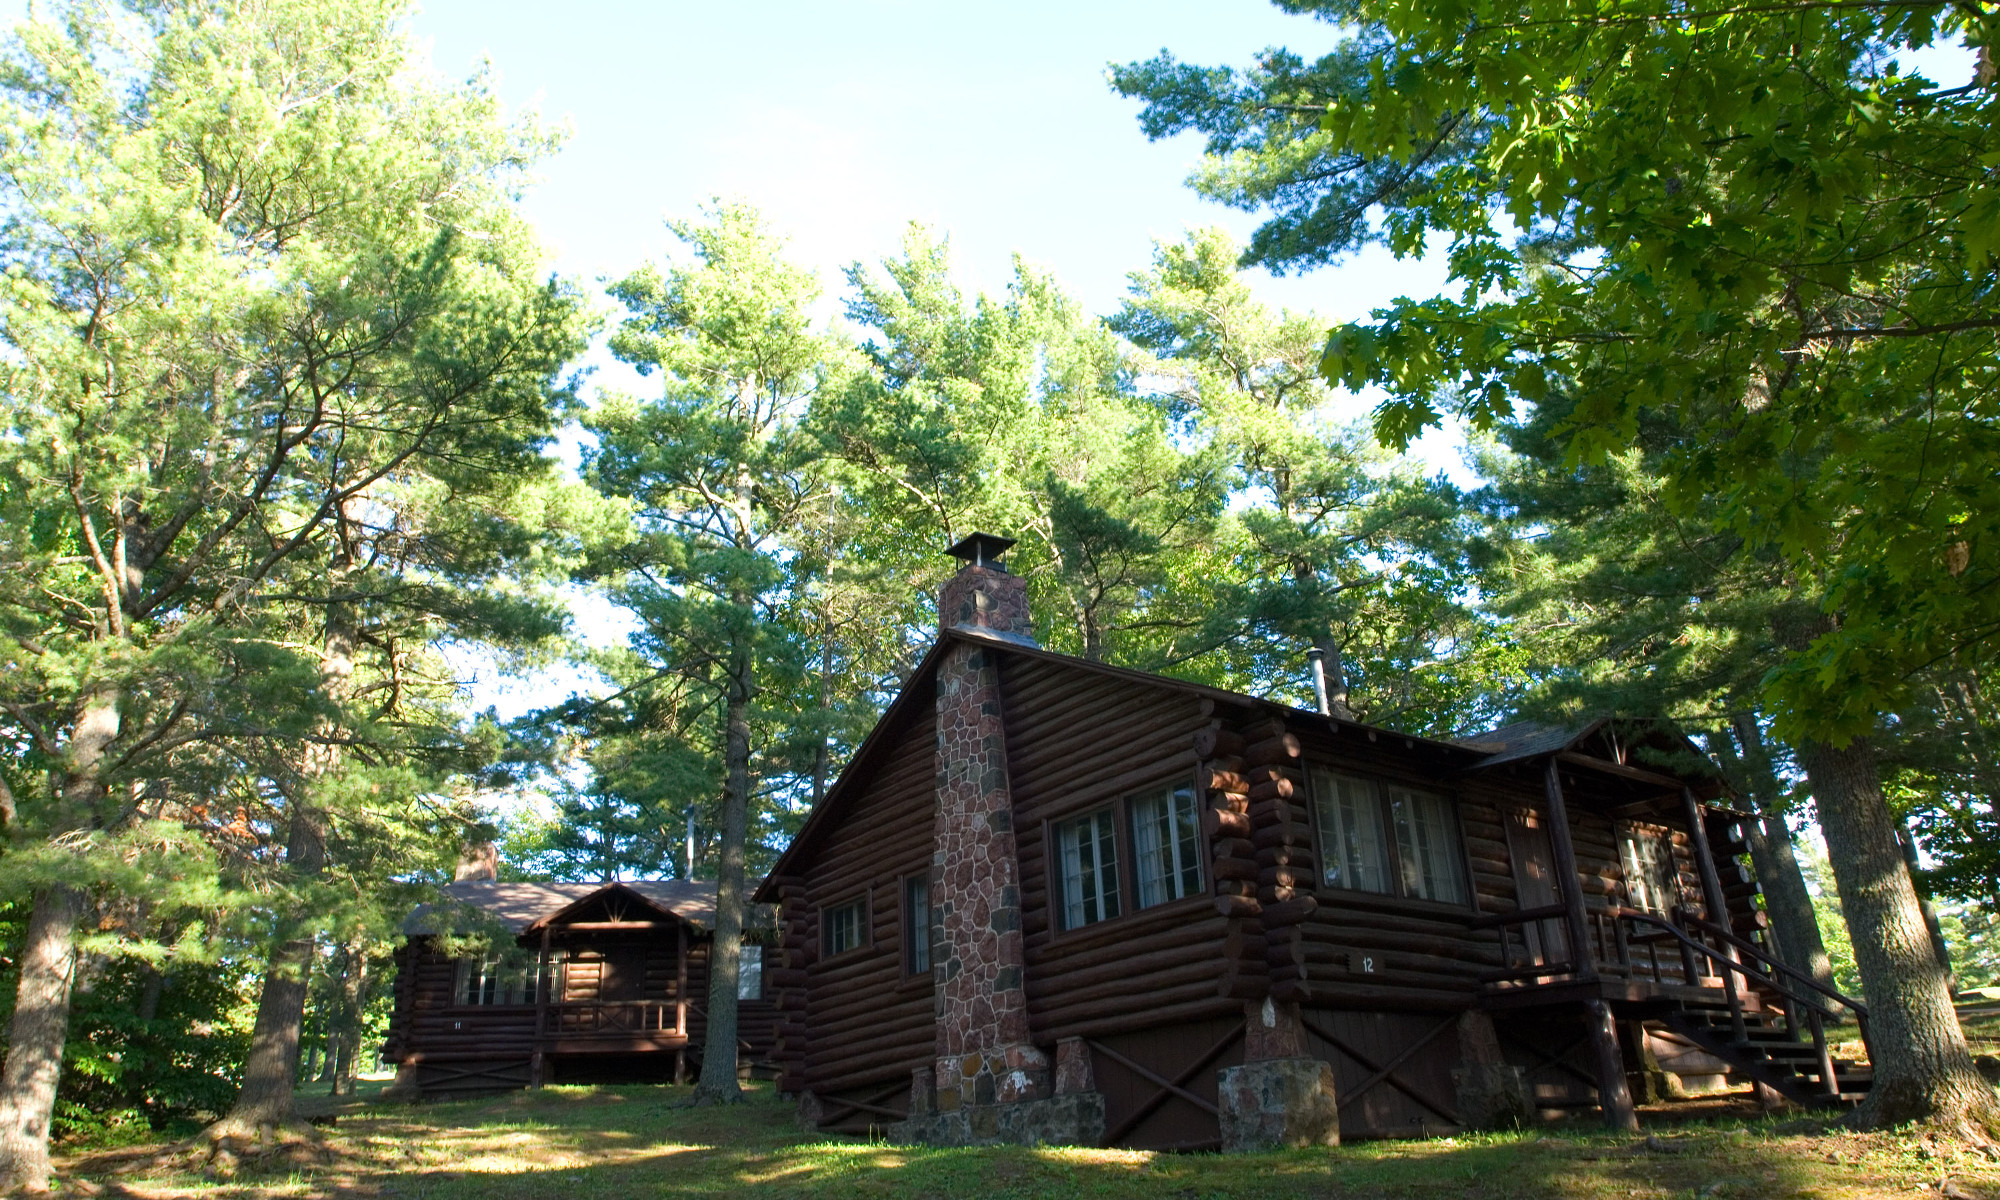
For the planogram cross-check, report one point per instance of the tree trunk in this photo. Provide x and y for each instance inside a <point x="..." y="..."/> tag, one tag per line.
<point x="346" y="1043"/>
<point x="35" y="1038"/>
<point x="270" y="1070"/>
<point x="1931" y="923"/>
<point x="1775" y="856"/>
<point x="717" y="1084"/>
<point x="1336" y="678"/>
<point x="1923" y="1070"/>
<point x="331" y="998"/>
<point x="40" y="1025"/>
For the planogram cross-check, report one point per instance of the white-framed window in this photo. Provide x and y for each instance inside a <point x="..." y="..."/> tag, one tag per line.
<point x="1388" y="838"/>
<point x="843" y="927"/>
<point x="1088" y="850"/>
<point x="1166" y="844"/>
<point x="750" y="972"/>
<point x="1353" y="852"/>
<point x="1427" y="845"/>
<point x="919" y="924"/>
<point x="1651" y="881"/>
<point x="494" y="981"/>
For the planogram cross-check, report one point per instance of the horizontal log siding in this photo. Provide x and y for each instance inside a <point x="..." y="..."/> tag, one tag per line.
<point x="865" y="1020"/>
<point x="1075" y="741"/>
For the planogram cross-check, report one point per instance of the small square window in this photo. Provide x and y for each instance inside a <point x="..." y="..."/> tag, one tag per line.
<point x="1088" y="847"/>
<point x="919" y="924"/>
<point x="1166" y="844"/>
<point x="843" y="927"/>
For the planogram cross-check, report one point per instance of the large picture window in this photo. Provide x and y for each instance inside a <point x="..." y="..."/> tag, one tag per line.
<point x="1088" y="849"/>
<point x="1166" y="842"/>
<point x="1651" y="882"/>
<point x="1427" y="845"/>
<point x="495" y="982"/>
<point x="843" y="927"/>
<point x="1388" y="839"/>
<point x="1353" y="852"/>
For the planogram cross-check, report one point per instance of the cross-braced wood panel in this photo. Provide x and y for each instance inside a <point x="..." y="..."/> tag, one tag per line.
<point x="1392" y="1071"/>
<point x="1159" y="1084"/>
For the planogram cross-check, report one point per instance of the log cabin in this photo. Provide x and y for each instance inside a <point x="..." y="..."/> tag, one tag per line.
<point x="579" y="983"/>
<point x="1051" y="900"/>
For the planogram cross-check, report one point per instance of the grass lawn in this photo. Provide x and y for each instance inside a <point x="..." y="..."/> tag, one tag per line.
<point x="620" y="1143"/>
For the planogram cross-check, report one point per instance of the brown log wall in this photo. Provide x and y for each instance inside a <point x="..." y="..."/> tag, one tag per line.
<point x="864" y="1021"/>
<point x="1074" y="742"/>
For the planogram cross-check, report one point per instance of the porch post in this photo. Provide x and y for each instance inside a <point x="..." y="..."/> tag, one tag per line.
<point x="1614" y="1098"/>
<point x="1717" y="905"/>
<point x="1566" y="870"/>
<point x="536" y="1063"/>
<point x="1704" y="858"/>
<point x="681" y="999"/>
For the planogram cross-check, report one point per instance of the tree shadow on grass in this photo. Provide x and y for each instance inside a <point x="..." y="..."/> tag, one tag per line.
<point x="629" y="1143"/>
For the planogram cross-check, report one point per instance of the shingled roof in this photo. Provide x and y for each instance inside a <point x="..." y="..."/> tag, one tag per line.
<point x="1524" y="739"/>
<point x="516" y="906"/>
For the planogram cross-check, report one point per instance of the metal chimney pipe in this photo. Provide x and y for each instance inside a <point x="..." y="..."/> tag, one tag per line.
<point x="690" y="850"/>
<point x="1317" y="657"/>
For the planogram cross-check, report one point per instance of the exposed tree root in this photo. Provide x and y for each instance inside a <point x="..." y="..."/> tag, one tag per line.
<point x="236" y="1142"/>
<point x="1971" y="1121"/>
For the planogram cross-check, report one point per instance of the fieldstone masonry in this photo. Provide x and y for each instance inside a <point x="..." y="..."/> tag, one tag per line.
<point x="984" y="1055"/>
<point x="991" y="1082"/>
<point x="1281" y="1096"/>
<point x="1491" y="1093"/>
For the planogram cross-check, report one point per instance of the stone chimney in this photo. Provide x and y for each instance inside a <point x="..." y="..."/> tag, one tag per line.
<point x="990" y="1081"/>
<point x="983" y="596"/>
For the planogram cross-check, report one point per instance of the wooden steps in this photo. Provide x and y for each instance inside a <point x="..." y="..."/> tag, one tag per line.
<point x="1770" y="1054"/>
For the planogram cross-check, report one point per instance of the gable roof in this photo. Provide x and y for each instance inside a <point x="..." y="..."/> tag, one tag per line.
<point x="521" y="906"/>
<point x="1509" y="743"/>
<point x="916" y="696"/>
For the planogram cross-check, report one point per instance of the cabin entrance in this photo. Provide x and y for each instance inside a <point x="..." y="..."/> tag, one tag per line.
<point x="624" y="975"/>
<point x="1535" y="885"/>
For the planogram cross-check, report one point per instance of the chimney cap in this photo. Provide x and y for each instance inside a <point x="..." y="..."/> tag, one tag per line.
<point x="981" y="550"/>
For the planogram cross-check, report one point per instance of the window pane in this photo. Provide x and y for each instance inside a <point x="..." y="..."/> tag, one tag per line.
<point x="1353" y="851"/>
<point x="1650" y="881"/>
<point x="1427" y="844"/>
<point x="1166" y="841"/>
<point x="750" y="973"/>
<point x="917" y="923"/>
<point x="842" y="928"/>
<point x="1089" y="852"/>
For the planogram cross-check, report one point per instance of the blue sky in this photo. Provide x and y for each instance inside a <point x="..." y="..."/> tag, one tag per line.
<point x="845" y="121"/>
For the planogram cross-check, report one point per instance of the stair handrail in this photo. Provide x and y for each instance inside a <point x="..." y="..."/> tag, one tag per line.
<point x="1774" y="966"/>
<point x="1768" y="979"/>
<point x="1769" y="972"/>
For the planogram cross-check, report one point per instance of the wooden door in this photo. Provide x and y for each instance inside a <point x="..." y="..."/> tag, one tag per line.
<point x="1535" y="884"/>
<point x="624" y="975"/>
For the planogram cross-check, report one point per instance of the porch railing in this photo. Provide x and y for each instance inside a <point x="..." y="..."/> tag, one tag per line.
<point x="603" y="1018"/>
<point x="1629" y="942"/>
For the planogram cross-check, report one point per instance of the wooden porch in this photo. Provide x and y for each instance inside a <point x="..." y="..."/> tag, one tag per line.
<point x="1686" y="970"/>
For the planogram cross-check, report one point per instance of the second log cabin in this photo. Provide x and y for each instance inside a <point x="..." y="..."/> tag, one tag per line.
<point x="1051" y="900"/>
<point x="569" y="983"/>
